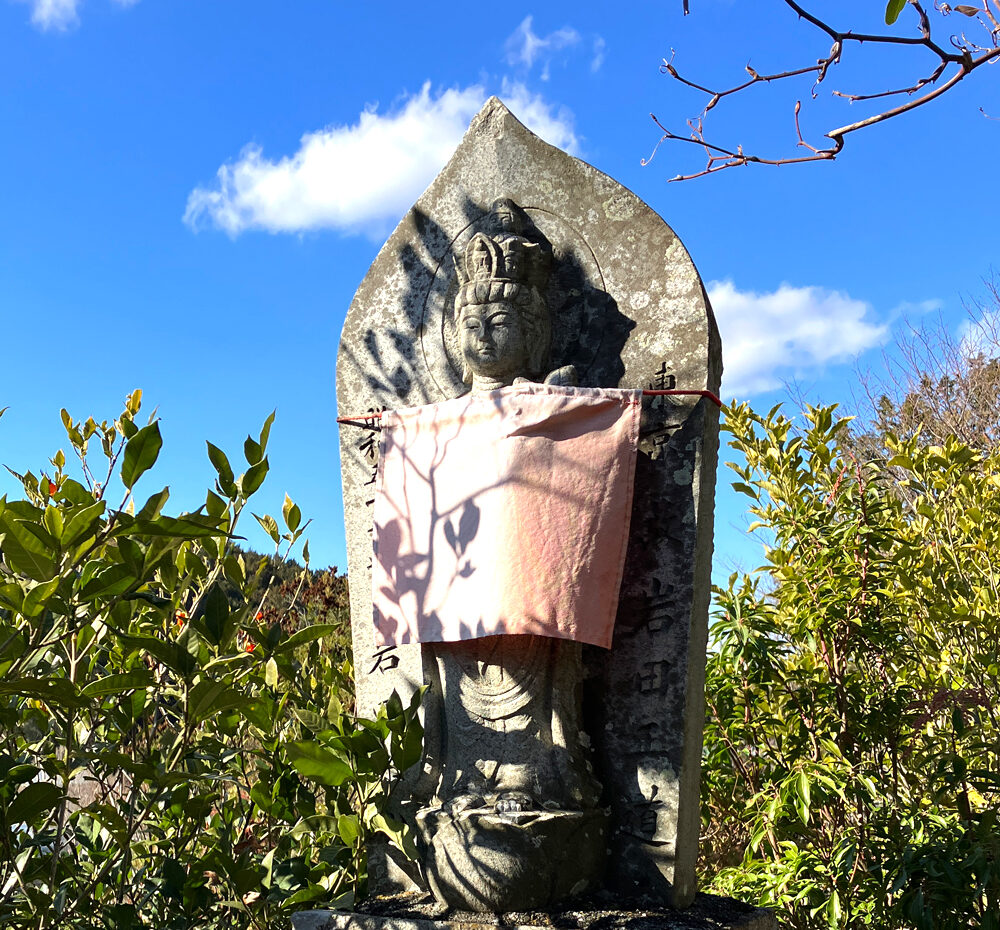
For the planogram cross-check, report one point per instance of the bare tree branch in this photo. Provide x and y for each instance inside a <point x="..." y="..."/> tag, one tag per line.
<point x="923" y="82"/>
<point x="939" y="382"/>
<point x="956" y="65"/>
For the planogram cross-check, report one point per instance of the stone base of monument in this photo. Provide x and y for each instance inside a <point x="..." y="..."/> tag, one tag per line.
<point x="480" y="860"/>
<point x="418" y="911"/>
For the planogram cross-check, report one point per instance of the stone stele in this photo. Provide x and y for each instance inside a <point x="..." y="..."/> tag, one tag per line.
<point x="628" y="309"/>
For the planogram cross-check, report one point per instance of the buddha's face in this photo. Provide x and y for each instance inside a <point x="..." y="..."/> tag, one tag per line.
<point x="494" y="343"/>
<point x="505" y="219"/>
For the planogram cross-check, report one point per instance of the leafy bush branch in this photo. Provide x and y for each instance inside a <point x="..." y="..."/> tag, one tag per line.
<point x="852" y="767"/>
<point x="174" y="748"/>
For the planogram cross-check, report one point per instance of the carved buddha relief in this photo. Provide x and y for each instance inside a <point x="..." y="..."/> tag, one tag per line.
<point x="626" y="306"/>
<point x="512" y="747"/>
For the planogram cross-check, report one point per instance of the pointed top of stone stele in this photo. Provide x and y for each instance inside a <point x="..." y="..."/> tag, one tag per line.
<point x="629" y="310"/>
<point x="617" y="248"/>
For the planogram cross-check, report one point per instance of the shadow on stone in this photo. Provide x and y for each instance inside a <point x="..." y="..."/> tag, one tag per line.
<point x="628" y="309"/>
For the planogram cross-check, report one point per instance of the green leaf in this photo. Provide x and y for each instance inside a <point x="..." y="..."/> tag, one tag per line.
<point x="212" y="697"/>
<point x="41" y="534"/>
<point x="53" y="520"/>
<point x="215" y="506"/>
<point x="315" y="824"/>
<point x="134" y="401"/>
<point x="406" y="751"/>
<point x="218" y="617"/>
<point x="235" y="570"/>
<point x="271" y="673"/>
<point x="306" y="635"/>
<point x="154" y="504"/>
<point x="81" y="522"/>
<point x="269" y="525"/>
<point x="193" y="526"/>
<point x="312" y="892"/>
<point x="260" y="712"/>
<point x="119" y="683"/>
<point x="38" y="596"/>
<point x="892" y="11"/>
<point x="219" y="460"/>
<point x="129" y="429"/>
<point x="112" y="821"/>
<point x="113" y="580"/>
<point x="23" y="551"/>
<point x="802" y="797"/>
<point x="309" y="719"/>
<point x="349" y="829"/>
<point x="141" y="452"/>
<point x="397" y="832"/>
<point x="11" y="596"/>
<point x="833" y="911"/>
<point x="75" y="492"/>
<point x="254" y="478"/>
<point x="36" y="798"/>
<point x="172" y="655"/>
<point x="132" y="554"/>
<point x="53" y="690"/>
<point x="291" y="513"/>
<point x="252" y="451"/>
<point x="318" y="763"/>
<point x="394" y="706"/>
<point x="265" y="430"/>
<point x="22" y="510"/>
<point x="222" y="466"/>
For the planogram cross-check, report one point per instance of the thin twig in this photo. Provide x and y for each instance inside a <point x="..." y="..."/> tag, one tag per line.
<point x="966" y="55"/>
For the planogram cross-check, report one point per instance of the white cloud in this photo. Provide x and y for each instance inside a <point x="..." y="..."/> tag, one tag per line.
<point x="981" y="336"/>
<point x="60" y="14"/>
<point x="524" y="45"/>
<point x="553" y="123"/>
<point x="361" y="177"/>
<point x="598" y="59"/>
<point x="788" y="332"/>
<point x="908" y="308"/>
<point x="54" y="14"/>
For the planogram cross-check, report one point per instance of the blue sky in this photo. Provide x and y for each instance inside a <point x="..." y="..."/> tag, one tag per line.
<point x="192" y="191"/>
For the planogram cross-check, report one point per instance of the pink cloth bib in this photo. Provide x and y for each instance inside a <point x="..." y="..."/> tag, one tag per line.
<point x="505" y="512"/>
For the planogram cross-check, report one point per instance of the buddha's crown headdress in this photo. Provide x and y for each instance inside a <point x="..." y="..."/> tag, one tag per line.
<point x="510" y="259"/>
<point x="503" y="264"/>
<point x="505" y="258"/>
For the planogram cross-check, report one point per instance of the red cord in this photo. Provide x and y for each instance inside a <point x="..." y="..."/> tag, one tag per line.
<point x="715" y="400"/>
<point x="360" y="421"/>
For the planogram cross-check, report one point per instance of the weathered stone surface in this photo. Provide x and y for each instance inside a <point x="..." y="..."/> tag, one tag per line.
<point x="410" y="912"/>
<point x="629" y="310"/>
<point x="493" y="862"/>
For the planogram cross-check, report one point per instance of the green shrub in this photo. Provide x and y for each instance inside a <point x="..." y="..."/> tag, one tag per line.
<point x="174" y="749"/>
<point x="852" y="748"/>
